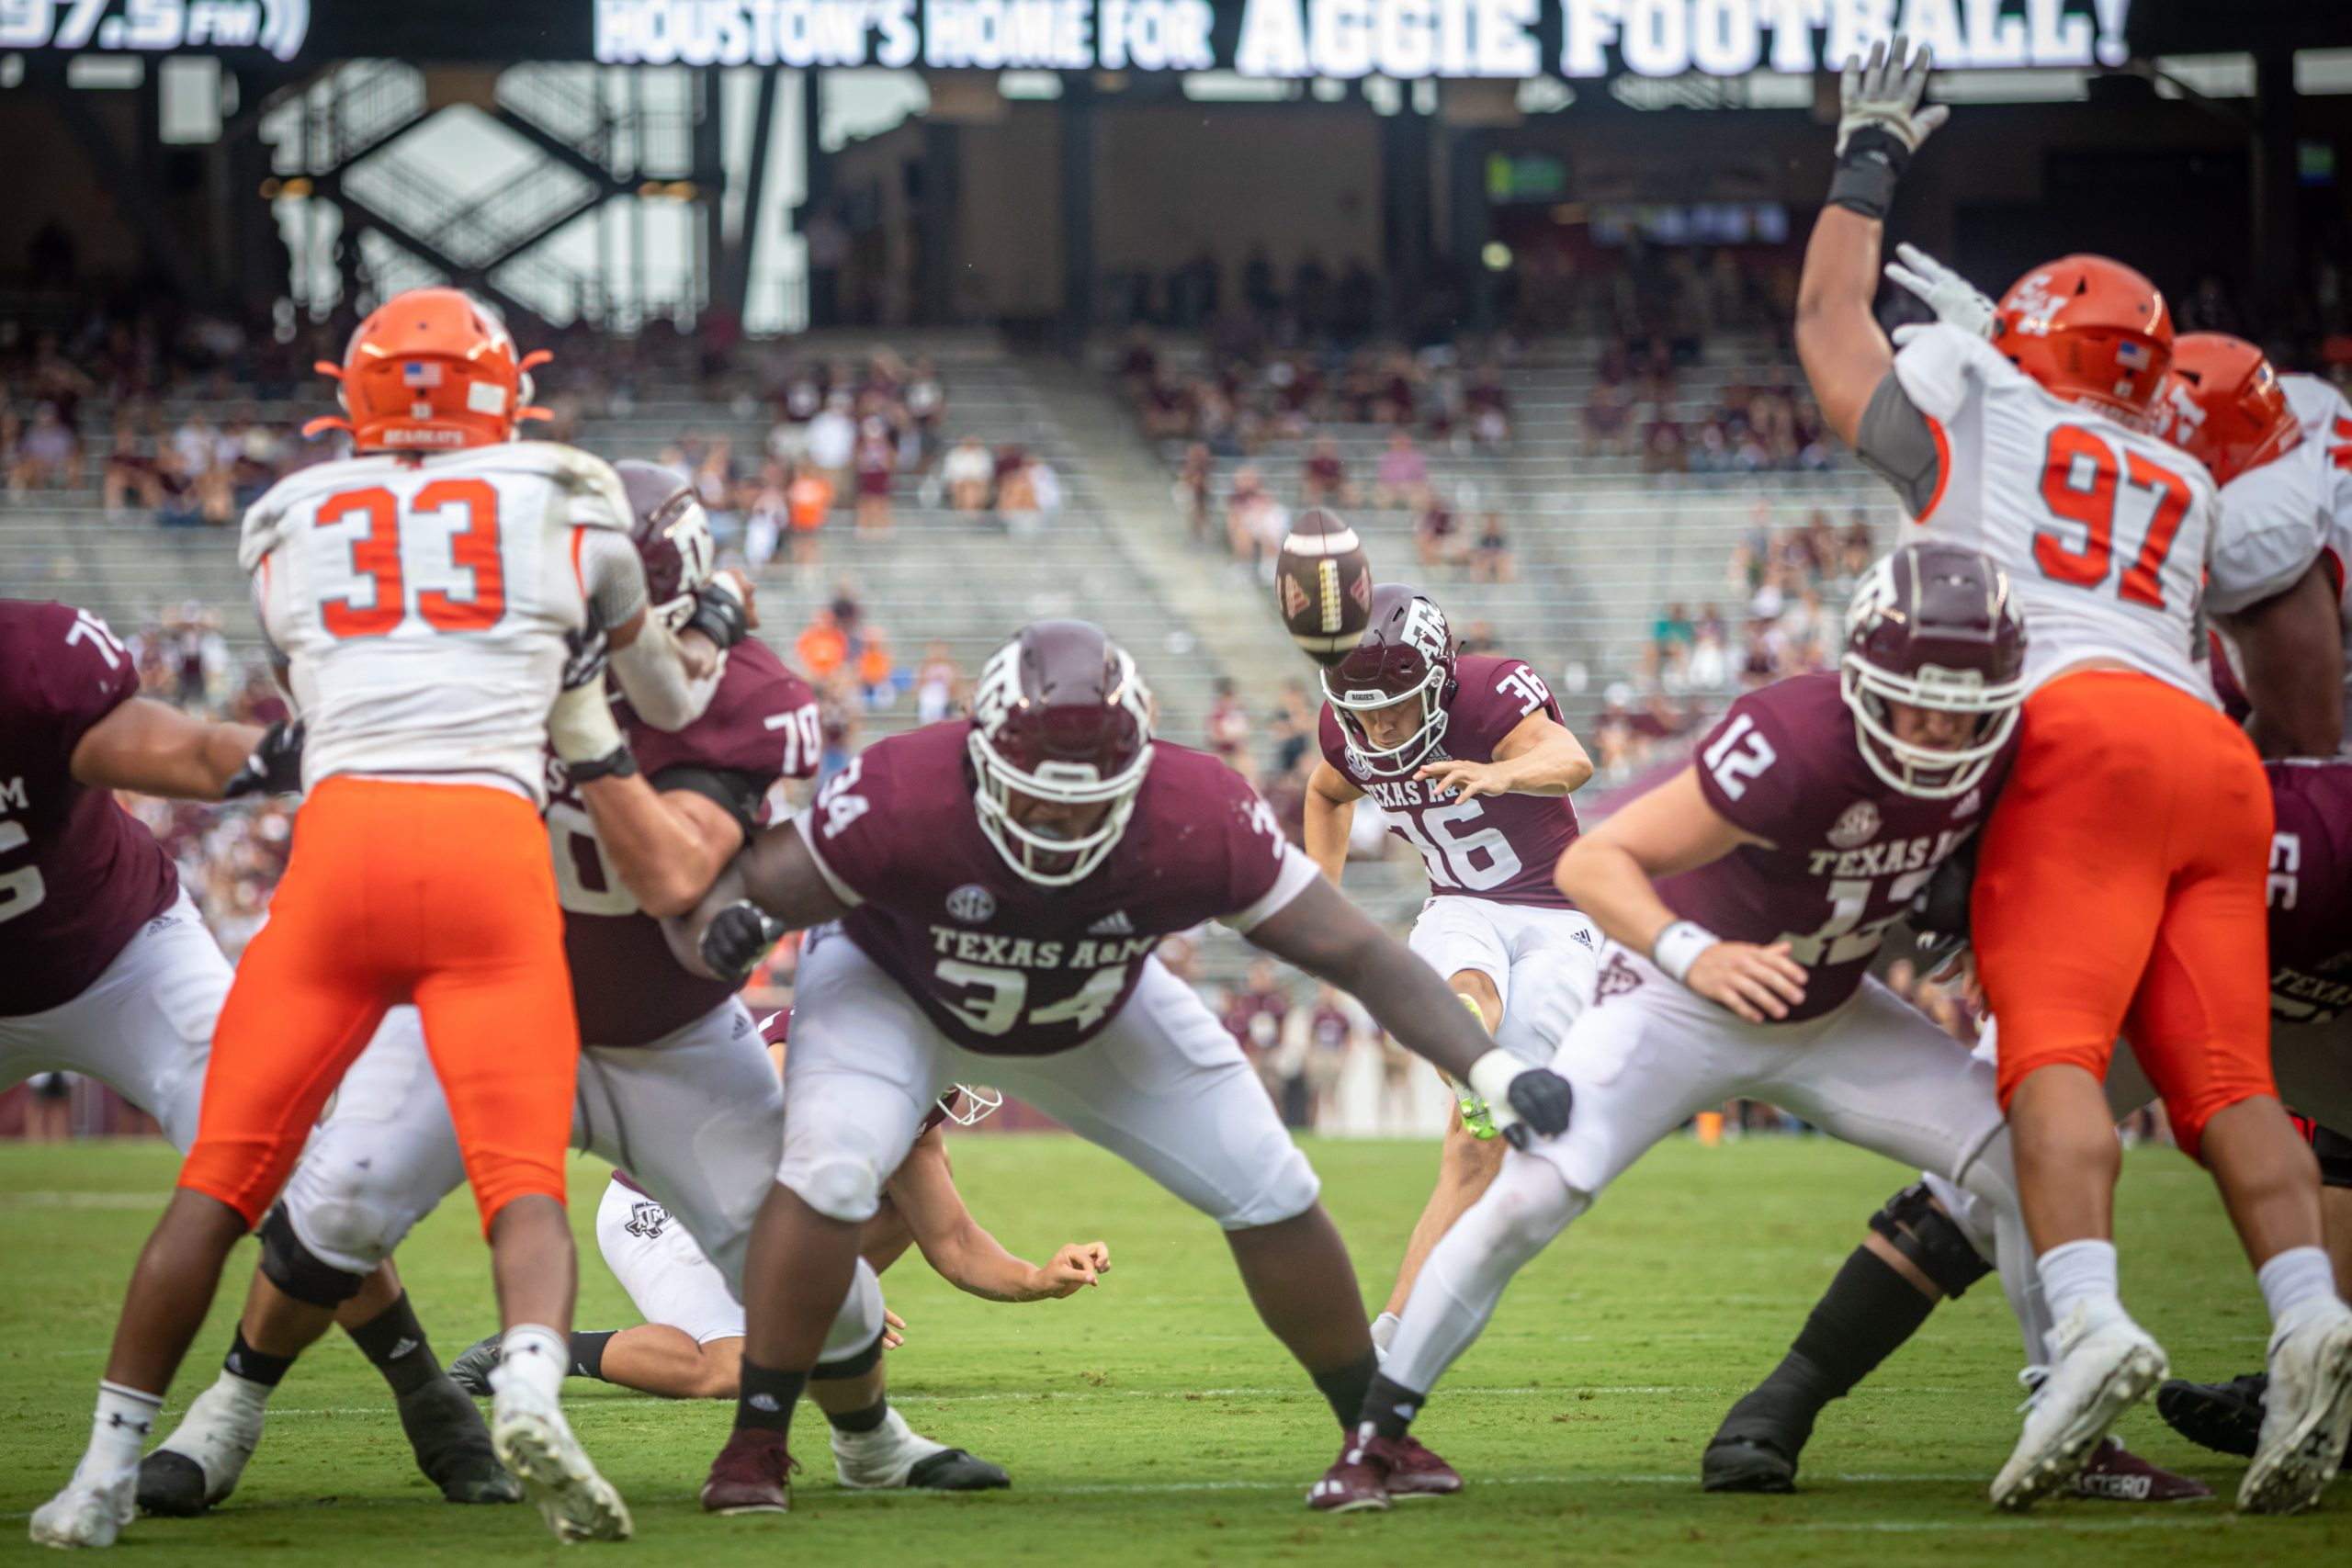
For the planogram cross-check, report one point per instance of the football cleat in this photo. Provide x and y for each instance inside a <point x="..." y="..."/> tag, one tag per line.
<point x="532" y="1440"/>
<point x="91" y="1511"/>
<point x="202" y="1461"/>
<point x="2306" y="1414"/>
<point x="2116" y="1474"/>
<point x="473" y="1366"/>
<point x="452" y="1446"/>
<point x="1415" y="1471"/>
<point x="1761" y="1438"/>
<point x="1358" y="1479"/>
<point x="753" y="1474"/>
<point x="2100" y="1373"/>
<point x="2224" y="1416"/>
<point x="895" y="1454"/>
<point x="1746" y="1464"/>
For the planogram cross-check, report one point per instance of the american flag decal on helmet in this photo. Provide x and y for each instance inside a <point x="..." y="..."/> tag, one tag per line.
<point x="2132" y="354"/>
<point x="421" y="372"/>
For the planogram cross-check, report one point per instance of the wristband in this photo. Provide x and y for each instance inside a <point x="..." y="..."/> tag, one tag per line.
<point x="1678" y="947"/>
<point x="619" y="763"/>
<point x="1866" y="172"/>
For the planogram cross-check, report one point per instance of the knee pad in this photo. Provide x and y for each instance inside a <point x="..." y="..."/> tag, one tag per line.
<point x="842" y="1187"/>
<point x="1930" y="1241"/>
<point x="297" y="1270"/>
<point x="855" y="1342"/>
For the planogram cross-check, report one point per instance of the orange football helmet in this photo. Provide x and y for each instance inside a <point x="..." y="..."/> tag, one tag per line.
<point x="2090" y="331"/>
<point x="431" y="370"/>
<point x="2225" y="405"/>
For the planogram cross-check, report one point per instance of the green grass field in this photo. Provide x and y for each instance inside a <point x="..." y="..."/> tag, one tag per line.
<point x="1153" y="1421"/>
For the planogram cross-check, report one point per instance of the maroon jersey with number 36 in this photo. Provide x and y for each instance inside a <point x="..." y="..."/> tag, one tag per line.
<point x="1503" y="847"/>
<point x="78" y="874"/>
<point x="761" y="724"/>
<point x="1844" y="852"/>
<point x="1002" y="965"/>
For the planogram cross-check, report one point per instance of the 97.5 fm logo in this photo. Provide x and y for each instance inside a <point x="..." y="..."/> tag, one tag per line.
<point x="154" y="26"/>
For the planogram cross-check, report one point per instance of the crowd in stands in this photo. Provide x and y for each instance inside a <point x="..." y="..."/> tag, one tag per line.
<point x="1766" y="424"/>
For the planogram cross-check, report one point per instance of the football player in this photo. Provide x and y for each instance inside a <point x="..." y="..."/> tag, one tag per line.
<point x="1744" y="901"/>
<point x="2035" y="447"/>
<point x="691" y="1345"/>
<point x="673" y="1083"/>
<point x="1468" y="757"/>
<point x="423" y="593"/>
<point x="121" y="981"/>
<point x="988" y="893"/>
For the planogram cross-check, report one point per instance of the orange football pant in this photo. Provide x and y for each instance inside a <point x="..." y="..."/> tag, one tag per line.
<point x="2121" y="890"/>
<point x="442" y="895"/>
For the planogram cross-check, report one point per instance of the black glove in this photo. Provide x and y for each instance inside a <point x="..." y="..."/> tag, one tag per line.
<point x="720" y="615"/>
<point x="736" y="939"/>
<point x="585" y="661"/>
<point x="1939" y="910"/>
<point x="275" y="767"/>
<point x="1542" y="1099"/>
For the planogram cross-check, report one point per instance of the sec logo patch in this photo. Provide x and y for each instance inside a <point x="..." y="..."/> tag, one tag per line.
<point x="1858" y="826"/>
<point x="971" y="903"/>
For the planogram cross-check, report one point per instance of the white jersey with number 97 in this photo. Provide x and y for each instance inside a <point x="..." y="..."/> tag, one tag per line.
<point x="2103" y="531"/>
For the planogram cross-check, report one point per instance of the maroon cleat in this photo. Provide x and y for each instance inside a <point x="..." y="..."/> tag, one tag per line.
<point x="2116" y="1474"/>
<point x="1415" y="1471"/>
<point x="750" y="1475"/>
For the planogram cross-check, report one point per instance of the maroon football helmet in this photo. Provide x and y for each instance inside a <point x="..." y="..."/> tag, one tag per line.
<point x="673" y="537"/>
<point x="1406" y="652"/>
<point x="1932" y="626"/>
<point x="1059" y="714"/>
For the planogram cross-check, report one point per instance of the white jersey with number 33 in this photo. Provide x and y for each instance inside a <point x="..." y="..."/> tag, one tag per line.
<point x="423" y="604"/>
<point x="2103" y="531"/>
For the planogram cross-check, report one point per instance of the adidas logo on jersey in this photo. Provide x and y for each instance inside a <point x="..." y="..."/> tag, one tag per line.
<point x="1969" y="803"/>
<point x="1115" y="923"/>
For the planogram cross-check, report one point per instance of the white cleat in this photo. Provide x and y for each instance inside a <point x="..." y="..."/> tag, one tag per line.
<point x="536" y="1445"/>
<point x="895" y="1455"/>
<point x="89" y="1512"/>
<point x="202" y="1461"/>
<point x="2098" y="1374"/>
<point x="2306" y="1414"/>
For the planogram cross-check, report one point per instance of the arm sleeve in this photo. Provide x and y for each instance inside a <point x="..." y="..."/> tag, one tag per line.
<point x="1899" y="445"/>
<point x="738" y="793"/>
<point x="611" y="577"/>
<point x="2270" y="534"/>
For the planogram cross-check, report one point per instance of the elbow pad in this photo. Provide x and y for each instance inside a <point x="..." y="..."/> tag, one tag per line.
<point x="655" y="680"/>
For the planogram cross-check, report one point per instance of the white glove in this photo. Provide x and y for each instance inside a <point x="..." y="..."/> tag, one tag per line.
<point x="1885" y="93"/>
<point x="1953" y="297"/>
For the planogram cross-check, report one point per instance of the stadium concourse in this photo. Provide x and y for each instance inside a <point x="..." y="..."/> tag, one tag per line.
<point x="1605" y="552"/>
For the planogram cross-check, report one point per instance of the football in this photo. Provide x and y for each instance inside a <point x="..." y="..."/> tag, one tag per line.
<point x="1323" y="585"/>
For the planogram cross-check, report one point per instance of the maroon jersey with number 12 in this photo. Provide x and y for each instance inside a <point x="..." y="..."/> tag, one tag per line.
<point x="1504" y="847"/>
<point x="1002" y="965"/>
<point x="1845" y="852"/>
<point x="78" y="874"/>
<point x="761" y="724"/>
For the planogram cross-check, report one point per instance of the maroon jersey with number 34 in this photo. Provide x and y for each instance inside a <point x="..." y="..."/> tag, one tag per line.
<point x="1002" y="965"/>
<point x="1844" y="852"/>
<point x="761" y="724"/>
<point x="1504" y="847"/>
<point x="2311" y="891"/>
<point x="78" y="874"/>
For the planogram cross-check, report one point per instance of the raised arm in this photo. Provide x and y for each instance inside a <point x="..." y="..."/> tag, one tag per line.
<point x="1332" y="940"/>
<point x="1881" y="124"/>
<point x="1610" y="873"/>
<point x="966" y="1255"/>
<point x="1330" y="817"/>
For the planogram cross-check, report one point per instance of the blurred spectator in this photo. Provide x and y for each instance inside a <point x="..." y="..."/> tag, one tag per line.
<point x="823" y="646"/>
<point x="1323" y="477"/>
<point x="832" y="442"/>
<point x="48" y="454"/>
<point x="1253" y="1016"/>
<point x="1436" y="537"/>
<point x="1316" y="1041"/>
<point x="807" y="501"/>
<point x="939" y="684"/>
<point x="1607" y="420"/>
<point x="1193" y="481"/>
<point x="49" y="1109"/>
<point x="1255" y="522"/>
<point x="1488" y="406"/>
<point x="1479" y="638"/>
<point x="1404" y="476"/>
<point x="969" y="472"/>
<point x="1228" y="729"/>
<point x="1490" y="558"/>
<point x="877" y="456"/>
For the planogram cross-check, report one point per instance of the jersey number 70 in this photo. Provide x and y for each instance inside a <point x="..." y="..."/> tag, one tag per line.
<point x="2083" y="484"/>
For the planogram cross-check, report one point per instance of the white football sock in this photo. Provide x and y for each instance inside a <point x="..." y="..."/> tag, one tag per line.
<point x="1384" y="1331"/>
<point x="120" y="1426"/>
<point x="1468" y="1272"/>
<point x="2293" y="1278"/>
<point x="533" y="1356"/>
<point x="2081" y="1273"/>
